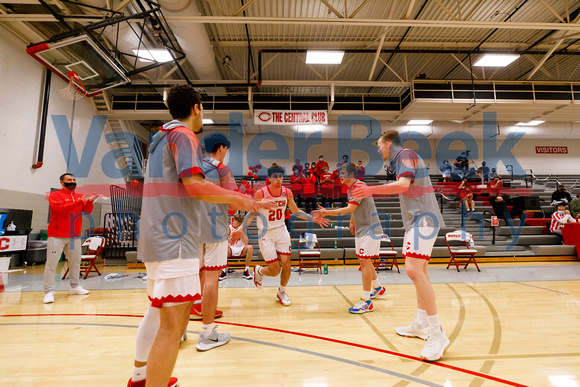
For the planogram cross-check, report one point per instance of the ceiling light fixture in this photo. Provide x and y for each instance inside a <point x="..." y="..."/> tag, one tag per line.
<point x="161" y="55"/>
<point x="531" y="123"/>
<point x="207" y="121"/>
<point x="496" y="60"/>
<point x="419" y="122"/>
<point x="324" y="57"/>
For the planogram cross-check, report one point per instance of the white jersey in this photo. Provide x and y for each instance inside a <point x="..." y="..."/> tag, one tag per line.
<point x="240" y="242"/>
<point x="275" y="216"/>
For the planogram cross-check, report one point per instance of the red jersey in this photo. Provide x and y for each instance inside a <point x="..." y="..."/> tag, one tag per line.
<point x="324" y="176"/>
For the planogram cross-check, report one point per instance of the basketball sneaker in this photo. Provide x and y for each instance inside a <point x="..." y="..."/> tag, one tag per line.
<point x="223" y="275"/>
<point x="247" y="275"/>
<point x="258" y="278"/>
<point x="413" y="330"/>
<point x="214" y="339"/>
<point x="377" y="292"/>
<point x="79" y="290"/>
<point x="435" y="346"/>
<point x="48" y="298"/>
<point x="363" y="306"/>
<point x="284" y="299"/>
<point x="141" y="383"/>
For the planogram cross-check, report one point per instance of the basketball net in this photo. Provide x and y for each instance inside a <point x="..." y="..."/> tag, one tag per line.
<point x="75" y="88"/>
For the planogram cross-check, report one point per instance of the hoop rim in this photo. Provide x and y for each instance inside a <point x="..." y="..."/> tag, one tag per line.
<point x="73" y="80"/>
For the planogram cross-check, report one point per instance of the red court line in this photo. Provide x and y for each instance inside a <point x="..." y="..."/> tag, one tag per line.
<point x="386" y="351"/>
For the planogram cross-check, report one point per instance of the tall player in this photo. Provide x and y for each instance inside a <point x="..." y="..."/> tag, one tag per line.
<point x="422" y="220"/>
<point x="274" y="237"/>
<point x="366" y="226"/>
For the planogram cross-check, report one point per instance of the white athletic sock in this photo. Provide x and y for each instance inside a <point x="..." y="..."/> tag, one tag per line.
<point x="376" y="283"/>
<point x="247" y="268"/>
<point x="421" y="318"/>
<point x="259" y="270"/>
<point x="206" y="329"/>
<point x="366" y="295"/>
<point x="139" y="373"/>
<point x="146" y="334"/>
<point x="434" y="322"/>
<point x="282" y="289"/>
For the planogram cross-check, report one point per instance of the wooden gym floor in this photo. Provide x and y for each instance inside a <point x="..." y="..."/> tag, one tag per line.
<point x="510" y="333"/>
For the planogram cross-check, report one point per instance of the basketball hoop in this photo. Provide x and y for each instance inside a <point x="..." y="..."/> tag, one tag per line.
<point x="75" y="88"/>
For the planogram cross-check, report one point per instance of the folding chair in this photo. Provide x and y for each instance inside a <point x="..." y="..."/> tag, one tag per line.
<point x="458" y="245"/>
<point x="93" y="248"/>
<point x="309" y="252"/>
<point x="387" y="255"/>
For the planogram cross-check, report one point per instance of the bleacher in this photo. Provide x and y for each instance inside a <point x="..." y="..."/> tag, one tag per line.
<point x="532" y="242"/>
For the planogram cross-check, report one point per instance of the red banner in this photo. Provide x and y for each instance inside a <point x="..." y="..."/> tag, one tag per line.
<point x="552" y="149"/>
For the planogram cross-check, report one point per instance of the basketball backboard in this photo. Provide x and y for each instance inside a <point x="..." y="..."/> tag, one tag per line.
<point x="80" y="54"/>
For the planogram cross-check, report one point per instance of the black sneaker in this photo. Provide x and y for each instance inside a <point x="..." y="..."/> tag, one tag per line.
<point x="223" y="275"/>
<point x="247" y="275"/>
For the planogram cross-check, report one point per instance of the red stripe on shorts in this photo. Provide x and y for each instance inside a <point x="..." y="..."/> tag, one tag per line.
<point x="416" y="255"/>
<point x="158" y="302"/>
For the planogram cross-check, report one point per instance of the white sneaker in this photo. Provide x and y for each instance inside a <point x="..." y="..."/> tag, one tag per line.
<point x="257" y="276"/>
<point x="284" y="299"/>
<point x="436" y="344"/>
<point x="214" y="340"/>
<point x="48" y="298"/>
<point x="79" y="290"/>
<point x="413" y="330"/>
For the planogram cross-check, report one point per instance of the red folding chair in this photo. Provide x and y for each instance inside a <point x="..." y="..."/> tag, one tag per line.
<point x="459" y="249"/>
<point x="387" y="255"/>
<point x="308" y="256"/>
<point x="92" y="248"/>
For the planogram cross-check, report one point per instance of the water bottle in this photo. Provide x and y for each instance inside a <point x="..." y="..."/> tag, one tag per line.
<point x="291" y="244"/>
<point x="326" y="268"/>
<point x="390" y="216"/>
<point x="332" y="225"/>
<point x="335" y="244"/>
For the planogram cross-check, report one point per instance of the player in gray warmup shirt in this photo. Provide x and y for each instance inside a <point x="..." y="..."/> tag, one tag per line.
<point x="422" y="220"/>
<point x="366" y="226"/>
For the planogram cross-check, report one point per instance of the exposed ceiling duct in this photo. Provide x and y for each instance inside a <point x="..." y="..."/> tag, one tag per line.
<point x="194" y="41"/>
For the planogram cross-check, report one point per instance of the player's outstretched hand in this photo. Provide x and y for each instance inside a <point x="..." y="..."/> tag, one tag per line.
<point x="361" y="191"/>
<point x="322" y="222"/>
<point x="321" y="212"/>
<point x="266" y="204"/>
<point x="236" y="236"/>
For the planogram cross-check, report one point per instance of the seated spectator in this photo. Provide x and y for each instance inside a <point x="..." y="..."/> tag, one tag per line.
<point x="467" y="196"/>
<point x="500" y="207"/>
<point x="495" y="186"/>
<point x="296" y="186"/>
<point x="493" y="174"/>
<point x="575" y="207"/>
<point x="446" y="171"/>
<point x="360" y="171"/>
<point x="461" y="161"/>
<point x="344" y="160"/>
<point x="309" y="191"/>
<point x="299" y="166"/>
<point x="326" y="187"/>
<point x="561" y="196"/>
<point x="239" y="248"/>
<point x="320" y="166"/>
<point x="560" y="217"/>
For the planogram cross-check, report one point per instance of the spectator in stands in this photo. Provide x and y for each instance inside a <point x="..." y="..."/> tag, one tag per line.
<point x="446" y="171"/>
<point x="484" y="172"/>
<point x="360" y="171"/>
<point x="299" y="166"/>
<point x="493" y="174"/>
<point x="344" y="160"/>
<point x="575" y="207"/>
<point x="461" y="161"/>
<point x="561" y="196"/>
<point x="320" y="166"/>
<point x="309" y="191"/>
<point x="500" y="207"/>
<point x="495" y="186"/>
<point x="326" y="187"/>
<point x="467" y="196"/>
<point x="239" y="248"/>
<point x="560" y="217"/>
<point x="296" y="185"/>
<point x="338" y="184"/>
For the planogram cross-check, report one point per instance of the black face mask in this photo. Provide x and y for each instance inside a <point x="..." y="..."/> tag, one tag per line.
<point x="70" y="186"/>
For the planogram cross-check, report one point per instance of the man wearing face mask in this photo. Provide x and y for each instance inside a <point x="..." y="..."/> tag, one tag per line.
<point x="320" y="166"/>
<point x="560" y="217"/>
<point x="561" y="196"/>
<point x="64" y="231"/>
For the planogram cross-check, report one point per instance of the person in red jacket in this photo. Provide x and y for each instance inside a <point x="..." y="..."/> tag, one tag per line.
<point x="309" y="191"/>
<point x="64" y="231"/>
<point x="320" y="166"/>
<point x="338" y="185"/>
<point x="296" y="186"/>
<point x="326" y="187"/>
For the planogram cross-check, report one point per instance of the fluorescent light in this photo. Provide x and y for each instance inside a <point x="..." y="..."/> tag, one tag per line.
<point x="310" y="128"/>
<point x="419" y="122"/>
<point x="153" y="55"/>
<point x="493" y="60"/>
<point x="207" y="121"/>
<point x="531" y="123"/>
<point x="324" y="57"/>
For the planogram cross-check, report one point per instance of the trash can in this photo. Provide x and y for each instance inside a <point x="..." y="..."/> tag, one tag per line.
<point x="36" y="252"/>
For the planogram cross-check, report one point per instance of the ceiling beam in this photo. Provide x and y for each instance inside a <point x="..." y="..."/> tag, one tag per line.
<point x="549" y="8"/>
<point x="447" y="11"/>
<point x="464" y="66"/>
<point x="377" y="55"/>
<point x="358" y="9"/>
<point x="409" y="9"/>
<point x="535" y="63"/>
<point x="332" y="9"/>
<point x="243" y="8"/>
<point x="545" y="58"/>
